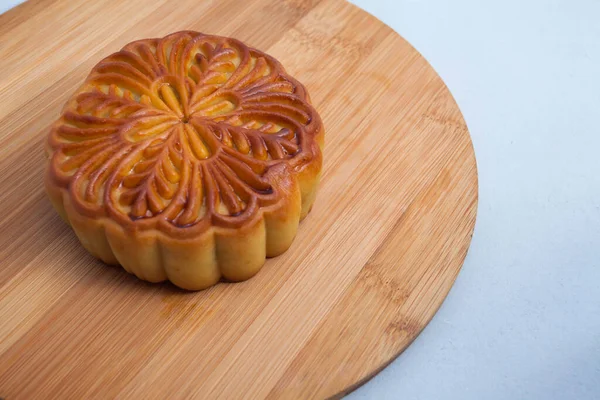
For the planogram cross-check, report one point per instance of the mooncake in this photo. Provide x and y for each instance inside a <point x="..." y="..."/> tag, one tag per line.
<point x="189" y="158"/>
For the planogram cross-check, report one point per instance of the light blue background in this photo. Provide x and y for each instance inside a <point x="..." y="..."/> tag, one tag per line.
<point x="523" y="319"/>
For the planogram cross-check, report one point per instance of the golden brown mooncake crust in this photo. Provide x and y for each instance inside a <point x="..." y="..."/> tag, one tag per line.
<point x="189" y="158"/>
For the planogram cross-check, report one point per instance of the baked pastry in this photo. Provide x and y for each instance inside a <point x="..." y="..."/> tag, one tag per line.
<point x="189" y="158"/>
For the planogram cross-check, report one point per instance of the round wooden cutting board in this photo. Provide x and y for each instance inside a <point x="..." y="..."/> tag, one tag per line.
<point x="370" y="266"/>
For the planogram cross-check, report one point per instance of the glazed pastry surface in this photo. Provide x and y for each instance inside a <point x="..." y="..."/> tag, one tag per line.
<point x="190" y="158"/>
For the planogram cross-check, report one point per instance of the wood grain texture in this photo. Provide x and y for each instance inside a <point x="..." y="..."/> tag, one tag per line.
<point x="371" y="264"/>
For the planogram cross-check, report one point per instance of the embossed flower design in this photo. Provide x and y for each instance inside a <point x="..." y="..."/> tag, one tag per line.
<point x="189" y="158"/>
<point x="183" y="129"/>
